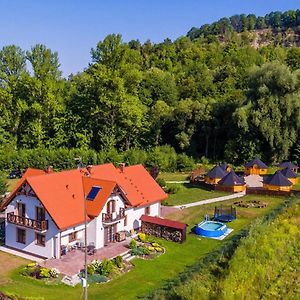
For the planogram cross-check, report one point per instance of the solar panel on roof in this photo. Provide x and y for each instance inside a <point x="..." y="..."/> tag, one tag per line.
<point x="93" y="193"/>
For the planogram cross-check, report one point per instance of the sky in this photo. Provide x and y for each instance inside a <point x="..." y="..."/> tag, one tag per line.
<point x="73" y="27"/>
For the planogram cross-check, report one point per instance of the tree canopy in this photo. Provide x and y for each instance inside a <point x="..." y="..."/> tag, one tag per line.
<point x="202" y="96"/>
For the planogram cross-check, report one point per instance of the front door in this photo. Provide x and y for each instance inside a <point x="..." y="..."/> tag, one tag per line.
<point x="109" y="234"/>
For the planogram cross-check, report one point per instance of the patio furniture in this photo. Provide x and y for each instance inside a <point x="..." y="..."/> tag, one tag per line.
<point x="63" y="250"/>
<point x="91" y="248"/>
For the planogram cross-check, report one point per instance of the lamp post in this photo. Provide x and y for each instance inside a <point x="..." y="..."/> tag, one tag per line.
<point x="85" y="253"/>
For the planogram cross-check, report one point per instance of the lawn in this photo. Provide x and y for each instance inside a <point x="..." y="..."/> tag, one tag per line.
<point x="147" y="274"/>
<point x="191" y="193"/>
<point x="12" y="183"/>
<point x="176" y="176"/>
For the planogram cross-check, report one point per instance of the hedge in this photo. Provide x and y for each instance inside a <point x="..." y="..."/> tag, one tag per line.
<point x="164" y="157"/>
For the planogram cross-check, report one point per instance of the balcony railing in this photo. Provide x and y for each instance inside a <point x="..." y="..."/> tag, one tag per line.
<point x="26" y="222"/>
<point x="113" y="217"/>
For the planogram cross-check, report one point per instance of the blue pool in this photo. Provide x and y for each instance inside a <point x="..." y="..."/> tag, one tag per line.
<point x="210" y="229"/>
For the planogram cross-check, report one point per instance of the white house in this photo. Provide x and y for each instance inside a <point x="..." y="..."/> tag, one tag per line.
<point x="46" y="209"/>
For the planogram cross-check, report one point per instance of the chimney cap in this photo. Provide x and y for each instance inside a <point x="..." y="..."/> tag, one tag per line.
<point x="121" y="166"/>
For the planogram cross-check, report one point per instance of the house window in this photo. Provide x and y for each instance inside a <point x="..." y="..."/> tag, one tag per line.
<point x="21" y="209"/>
<point x="21" y="236"/>
<point x="40" y="213"/>
<point x="40" y="239"/>
<point x="111" y="206"/>
<point x="125" y="220"/>
<point x="147" y="210"/>
<point x="73" y="236"/>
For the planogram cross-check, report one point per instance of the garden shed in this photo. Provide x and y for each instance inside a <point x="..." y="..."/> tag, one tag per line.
<point x="167" y="229"/>
<point x="277" y="182"/>
<point x="256" y="167"/>
<point x="231" y="183"/>
<point x="290" y="175"/>
<point x="215" y="175"/>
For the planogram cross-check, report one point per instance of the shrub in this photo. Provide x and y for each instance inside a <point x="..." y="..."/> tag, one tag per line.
<point x="155" y="244"/>
<point x="44" y="273"/>
<point x="137" y="251"/>
<point x="142" y="237"/>
<point x="106" y="267"/>
<point x="158" y="249"/>
<point x="185" y="163"/>
<point x="173" y="189"/>
<point x="97" y="265"/>
<point x="91" y="269"/>
<point x="152" y="249"/>
<point x="146" y="251"/>
<point x="164" y="157"/>
<point x="118" y="261"/>
<point x="161" y="182"/>
<point x="96" y="278"/>
<point x="54" y="273"/>
<point x="133" y="244"/>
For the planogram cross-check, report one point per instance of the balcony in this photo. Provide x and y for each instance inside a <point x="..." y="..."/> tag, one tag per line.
<point x="114" y="217"/>
<point x="26" y="222"/>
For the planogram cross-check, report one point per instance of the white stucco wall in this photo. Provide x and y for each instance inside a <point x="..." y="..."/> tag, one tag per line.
<point x="49" y="250"/>
<point x="64" y="237"/>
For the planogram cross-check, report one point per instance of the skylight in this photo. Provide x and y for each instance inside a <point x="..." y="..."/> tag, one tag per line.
<point x="93" y="193"/>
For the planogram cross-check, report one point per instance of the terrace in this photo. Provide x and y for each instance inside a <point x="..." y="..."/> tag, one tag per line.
<point x="71" y="263"/>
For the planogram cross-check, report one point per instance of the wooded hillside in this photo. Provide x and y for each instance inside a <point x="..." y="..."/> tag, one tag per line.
<point x="202" y="96"/>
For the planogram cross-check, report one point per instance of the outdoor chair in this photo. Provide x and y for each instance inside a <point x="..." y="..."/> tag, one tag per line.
<point x="91" y="248"/>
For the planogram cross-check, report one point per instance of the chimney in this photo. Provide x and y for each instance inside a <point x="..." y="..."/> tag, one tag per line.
<point x="49" y="170"/>
<point x="122" y="167"/>
<point x="89" y="169"/>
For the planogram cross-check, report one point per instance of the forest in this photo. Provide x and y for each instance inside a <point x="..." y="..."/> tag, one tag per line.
<point x="197" y="96"/>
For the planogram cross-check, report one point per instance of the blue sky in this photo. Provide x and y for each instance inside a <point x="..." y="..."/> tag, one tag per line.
<point x="73" y="27"/>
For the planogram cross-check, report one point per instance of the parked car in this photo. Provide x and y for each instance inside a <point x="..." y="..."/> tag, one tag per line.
<point x="15" y="173"/>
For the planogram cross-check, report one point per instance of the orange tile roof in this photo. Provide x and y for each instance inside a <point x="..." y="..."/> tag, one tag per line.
<point x="139" y="186"/>
<point x="62" y="193"/>
<point x="94" y="207"/>
<point x="28" y="172"/>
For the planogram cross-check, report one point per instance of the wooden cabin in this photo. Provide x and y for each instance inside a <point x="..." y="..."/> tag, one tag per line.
<point x="288" y="164"/>
<point x="256" y="167"/>
<point x="290" y="175"/>
<point x="225" y="167"/>
<point x="277" y="182"/>
<point x="214" y="175"/>
<point x="232" y="183"/>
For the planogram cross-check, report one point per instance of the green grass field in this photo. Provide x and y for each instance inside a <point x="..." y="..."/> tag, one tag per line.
<point x="191" y="193"/>
<point x="146" y="274"/>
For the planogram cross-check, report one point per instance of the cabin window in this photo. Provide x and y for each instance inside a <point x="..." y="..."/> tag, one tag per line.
<point x="147" y="210"/>
<point x="125" y="220"/>
<point x="40" y="239"/>
<point x="21" y="208"/>
<point x="111" y="206"/>
<point x="40" y="213"/>
<point x="21" y="236"/>
<point x="72" y="237"/>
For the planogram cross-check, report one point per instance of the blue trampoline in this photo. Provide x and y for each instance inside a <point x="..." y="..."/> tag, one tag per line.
<point x="225" y="214"/>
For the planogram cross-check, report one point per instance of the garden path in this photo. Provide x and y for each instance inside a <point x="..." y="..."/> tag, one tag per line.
<point x="212" y="200"/>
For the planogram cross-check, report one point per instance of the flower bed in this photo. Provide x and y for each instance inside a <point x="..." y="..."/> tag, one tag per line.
<point x="36" y="271"/>
<point x="145" y="247"/>
<point x="105" y="270"/>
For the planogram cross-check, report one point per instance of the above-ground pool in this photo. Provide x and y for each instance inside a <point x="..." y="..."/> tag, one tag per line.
<point x="210" y="229"/>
